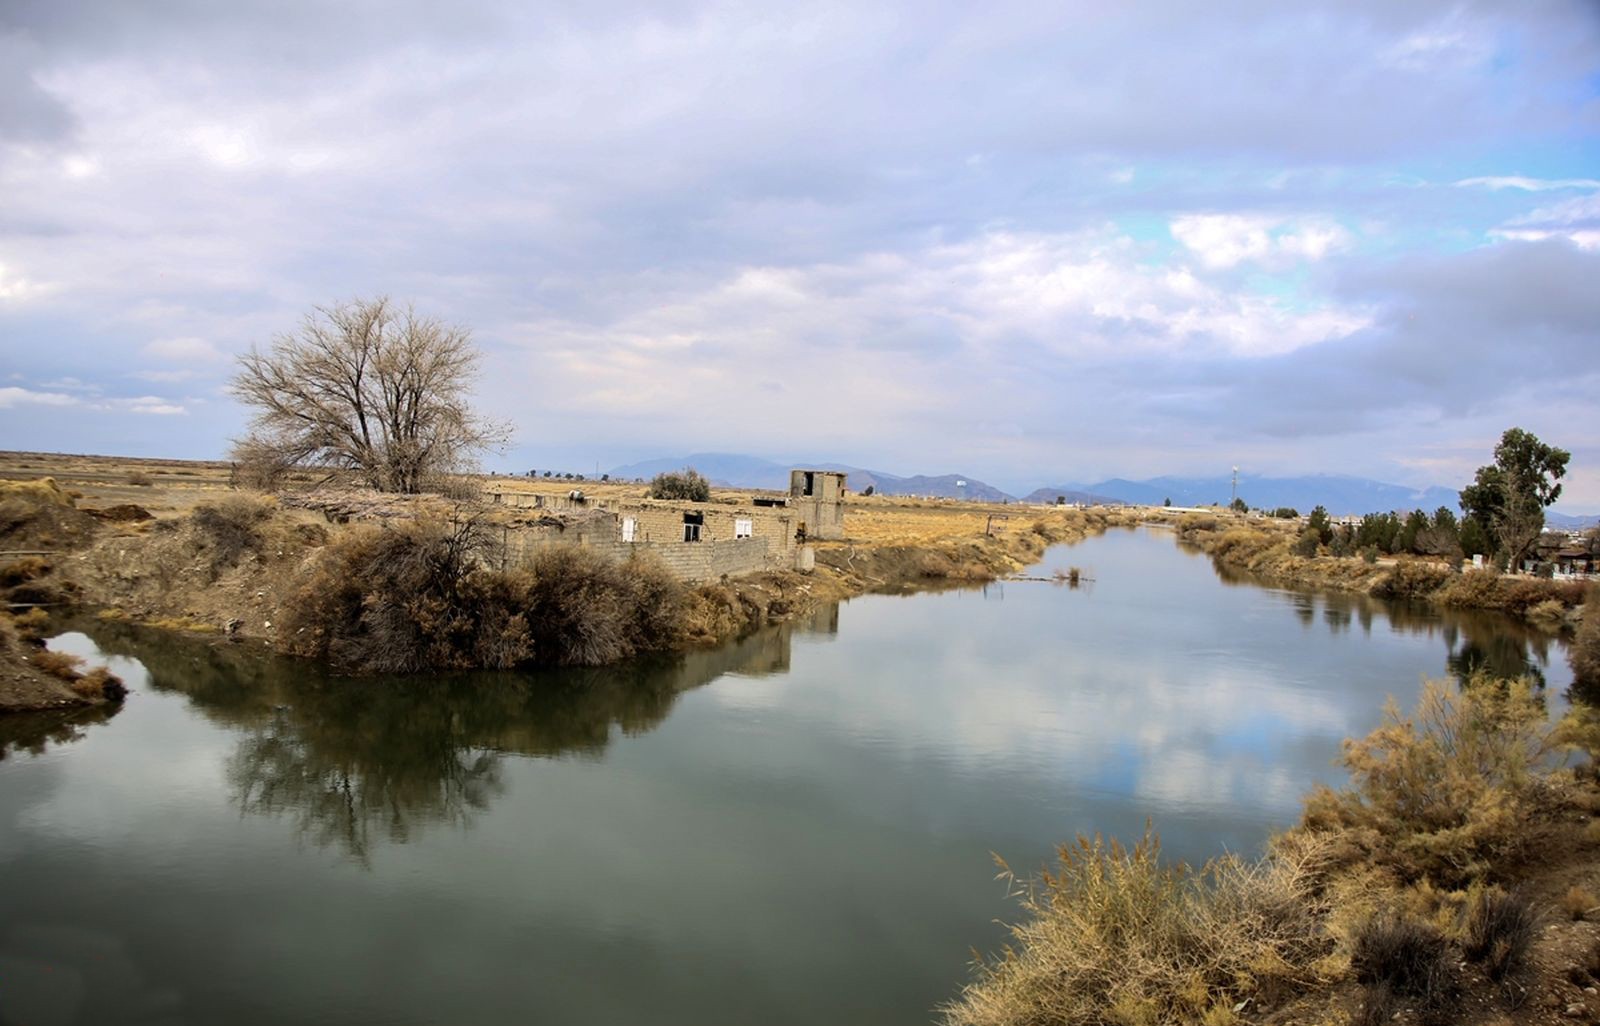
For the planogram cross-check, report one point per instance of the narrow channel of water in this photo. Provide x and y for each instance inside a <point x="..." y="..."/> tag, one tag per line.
<point x="793" y="829"/>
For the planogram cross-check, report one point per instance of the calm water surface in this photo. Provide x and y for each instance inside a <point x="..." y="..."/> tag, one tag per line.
<point x="793" y="829"/>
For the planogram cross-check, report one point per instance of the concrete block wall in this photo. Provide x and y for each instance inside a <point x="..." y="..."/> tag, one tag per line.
<point x="658" y="530"/>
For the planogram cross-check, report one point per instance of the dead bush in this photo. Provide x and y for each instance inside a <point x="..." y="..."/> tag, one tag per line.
<point x="1448" y="793"/>
<point x="19" y="571"/>
<point x="1548" y="614"/>
<point x="403" y="600"/>
<point x="231" y="527"/>
<point x="1397" y="956"/>
<point x="1498" y="931"/>
<point x="140" y="479"/>
<point x="586" y="610"/>
<point x="57" y="664"/>
<point x="30" y="624"/>
<point x="1412" y="579"/>
<point x="100" y="683"/>
<point x="1113" y="936"/>
<point x="1579" y="903"/>
<point x="1584" y="652"/>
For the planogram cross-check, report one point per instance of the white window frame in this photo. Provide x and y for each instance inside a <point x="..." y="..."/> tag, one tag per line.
<point x="629" y="525"/>
<point x="743" y="527"/>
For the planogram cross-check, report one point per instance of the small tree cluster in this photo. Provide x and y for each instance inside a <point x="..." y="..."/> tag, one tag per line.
<point x="686" y="484"/>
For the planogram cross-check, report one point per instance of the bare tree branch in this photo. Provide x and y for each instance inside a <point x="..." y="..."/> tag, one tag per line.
<point x="367" y="387"/>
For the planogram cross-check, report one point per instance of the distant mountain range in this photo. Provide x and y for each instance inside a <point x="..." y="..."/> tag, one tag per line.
<point x="739" y="471"/>
<point x="1339" y="494"/>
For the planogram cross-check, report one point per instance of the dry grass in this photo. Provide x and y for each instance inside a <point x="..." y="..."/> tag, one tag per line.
<point x="57" y="664"/>
<point x="1449" y="792"/>
<point x="1452" y="796"/>
<point x="1112" y="935"/>
<point x="1579" y="903"/>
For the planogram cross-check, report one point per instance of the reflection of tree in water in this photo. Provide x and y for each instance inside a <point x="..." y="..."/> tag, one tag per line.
<point x="35" y="732"/>
<point x="357" y="762"/>
<point x="1476" y="641"/>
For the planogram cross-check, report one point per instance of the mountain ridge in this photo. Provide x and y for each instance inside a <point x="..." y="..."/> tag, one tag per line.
<point x="1340" y="494"/>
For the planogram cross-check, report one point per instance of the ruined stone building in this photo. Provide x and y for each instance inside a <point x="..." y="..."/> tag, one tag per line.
<point x="697" y="541"/>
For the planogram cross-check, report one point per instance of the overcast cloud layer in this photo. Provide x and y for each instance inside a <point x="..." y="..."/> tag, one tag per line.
<point x="1033" y="242"/>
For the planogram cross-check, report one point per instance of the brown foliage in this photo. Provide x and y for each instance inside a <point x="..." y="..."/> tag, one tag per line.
<point x="57" y="664"/>
<point x="1584" y="653"/>
<point x="1447" y="793"/>
<point x="1115" y="936"/>
<point x="401" y="600"/>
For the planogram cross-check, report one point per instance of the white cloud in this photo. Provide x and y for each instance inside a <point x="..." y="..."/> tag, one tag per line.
<point x="150" y="405"/>
<point x="1576" y="220"/>
<point x="1227" y="240"/>
<point x="15" y="288"/>
<point x="12" y="396"/>
<point x="183" y="349"/>
<point x="1529" y="184"/>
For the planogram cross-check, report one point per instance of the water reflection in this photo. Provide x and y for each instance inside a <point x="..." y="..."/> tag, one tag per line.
<point x="356" y="763"/>
<point x="1475" y="640"/>
<point x="35" y="732"/>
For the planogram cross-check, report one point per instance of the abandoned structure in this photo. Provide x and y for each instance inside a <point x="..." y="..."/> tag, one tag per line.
<point x="817" y="497"/>
<point x="697" y="541"/>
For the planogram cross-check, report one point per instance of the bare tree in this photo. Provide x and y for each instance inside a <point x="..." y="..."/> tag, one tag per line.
<point x="368" y="387"/>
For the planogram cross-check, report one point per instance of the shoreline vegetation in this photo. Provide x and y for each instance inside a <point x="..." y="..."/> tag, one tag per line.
<point x="1453" y="882"/>
<point x="1266" y="549"/>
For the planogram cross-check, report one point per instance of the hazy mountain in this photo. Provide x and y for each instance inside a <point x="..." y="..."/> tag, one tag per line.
<point x="1068" y="493"/>
<point x="1338" y="493"/>
<point x="740" y="471"/>
<point x="1570" y="521"/>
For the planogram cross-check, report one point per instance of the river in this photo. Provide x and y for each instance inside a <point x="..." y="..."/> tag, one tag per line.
<point x="796" y="828"/>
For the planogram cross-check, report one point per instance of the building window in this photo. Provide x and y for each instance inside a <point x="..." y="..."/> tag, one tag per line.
<point x="742" y="529"/>
<point x="810" y="484"/>
<point x="692" y="523"/>
<point x="628" y="524"/>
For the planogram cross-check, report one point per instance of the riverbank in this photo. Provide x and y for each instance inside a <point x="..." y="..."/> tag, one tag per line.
<point x="1454" y="881"/>
<point x="1265" y="549"/>
<point x="245" y="566"/>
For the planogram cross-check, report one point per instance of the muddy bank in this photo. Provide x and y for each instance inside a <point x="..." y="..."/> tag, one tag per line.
<point x="1265" y="550"/>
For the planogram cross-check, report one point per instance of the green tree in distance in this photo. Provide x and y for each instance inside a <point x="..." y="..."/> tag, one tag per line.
<point x="1508" y="497"/>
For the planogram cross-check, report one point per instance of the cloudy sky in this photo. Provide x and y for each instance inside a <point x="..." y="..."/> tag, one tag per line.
<point x="1035" y="242"/>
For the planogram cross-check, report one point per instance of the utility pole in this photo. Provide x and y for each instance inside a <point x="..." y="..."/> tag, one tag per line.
<point x="1235" y="497"/>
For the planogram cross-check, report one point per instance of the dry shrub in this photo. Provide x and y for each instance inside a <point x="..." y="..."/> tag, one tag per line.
<point x="1579" y="903"/>
<point x="1448" y="794"/>
<point x="1549" y="614"/>
<point x="1114" y="936"/>
<point x="395" y="601"/>
<point x="1584" y="652"/>
<point x="1412" y="579"/>
<point x="57" y="664"/>
<point x="30" y="624"/>
<point x="20" y="571"/>
<point x="586" y="610"/>
<point x="1498" y="931"/>
<point x="1398" y="957"/>
<point x="231" y="526"/>
<point x="140" y="479"/>
<point x="1484" y="589"/>
<point x="419" y="597"/>
<point x="100" y="683"/>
